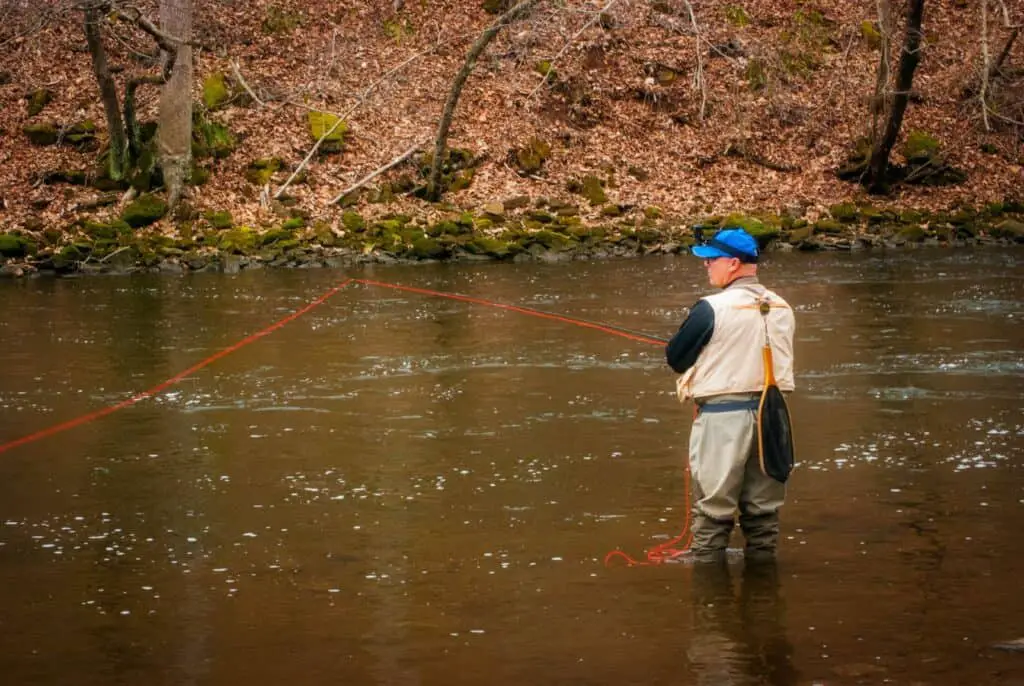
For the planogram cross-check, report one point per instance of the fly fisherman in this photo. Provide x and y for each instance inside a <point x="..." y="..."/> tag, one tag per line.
<point x="718" y="351"/>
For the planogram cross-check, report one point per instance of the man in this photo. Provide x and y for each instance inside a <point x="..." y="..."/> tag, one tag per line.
<point x="718" y="350"/>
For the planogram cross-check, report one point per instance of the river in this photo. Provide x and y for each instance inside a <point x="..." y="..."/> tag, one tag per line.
<point x="396" y="488"/>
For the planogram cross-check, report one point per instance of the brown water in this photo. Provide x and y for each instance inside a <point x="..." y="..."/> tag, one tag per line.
<point x="397" y="489"/>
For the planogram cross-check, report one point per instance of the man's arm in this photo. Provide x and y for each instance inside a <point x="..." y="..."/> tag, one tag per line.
<point x="684" y="348"/>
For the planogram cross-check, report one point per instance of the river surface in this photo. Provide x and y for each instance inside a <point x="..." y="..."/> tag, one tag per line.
<point x="396" y="488"/>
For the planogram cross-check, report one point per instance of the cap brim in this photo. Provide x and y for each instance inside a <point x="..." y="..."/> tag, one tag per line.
<point x="708" y="252"/>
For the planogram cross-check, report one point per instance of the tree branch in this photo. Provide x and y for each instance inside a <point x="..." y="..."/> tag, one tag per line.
<point x="369" y="177"/>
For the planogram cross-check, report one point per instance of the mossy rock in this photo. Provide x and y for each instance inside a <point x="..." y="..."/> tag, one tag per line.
<point x="870" y="33"/>
<point x="198" y="175"/>
<point x="384" y="226"/>
<point x="593" y="190"/>
<point x="294" y="224"/>
<point x="353" y="221"/>
<point x="920" y="147"/>
<point x="221" y="219"/>
<point x="911" y="217"/>
<point x="496" y="6"/>
<point x="427" y="248"/>
<point x="216" y="92"/>
<point x="324" y="235"/>
<point x="611" y="210"/>
<point x="106" y="231"/>
<point x="275" y="236"/>
<point x="38" y="100"/>
<point x="828" y="226"/>
<point x="238" y="240"/>
<point x="12" y="245"/>
<point x="485" y="223"/>
<point x="540" y="216"/>
<point x="259" y="172"/>
<point x="491" y="247"/>
<point x="653" y="212"/>
<point x="66" y="257"/>
<point x="800" y="235"/>
<point x="144" y="210"/>
<point x="529" y="159"/>
<point x="846" y="212"/>
<point x="461" y="180"/>
<point x="329" y="127"/>
<point x="1009" y="228"/>
<point x="447" y="227"/>
<point x="210" y="138"/>
<point x="552" y="240"/>
<point x="517" y="202"/>
<point x="751" y="225"/>
<point x="42" y="135"/>
<point x="912" y="234"/>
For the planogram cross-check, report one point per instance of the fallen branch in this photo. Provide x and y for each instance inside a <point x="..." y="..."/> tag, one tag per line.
<point x="237" y="73"/>
<point x="369" y="177"/>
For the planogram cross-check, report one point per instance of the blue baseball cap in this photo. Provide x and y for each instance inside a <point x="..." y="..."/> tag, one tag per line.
<point x="729" y="242"/>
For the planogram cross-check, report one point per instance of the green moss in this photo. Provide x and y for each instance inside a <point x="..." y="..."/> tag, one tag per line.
<point x="611" y="210"/>
<point x="492" y="247"/>
<point x="736" y="15"/>
<point x="845" y="212"/>
<point x="911" y="217"/>
<point x="144" y="210"/>
<point x="12" y="245"/>
<point x="912" y="234"/>
<point x="330" y="128"/>
<point x="259" y="172"/>
<point x="869" y="32"/>
<point x="830" y="226"/>
<point x="41" y="134"/>
<point x="108" y="231"/>
<point x="653" y="212"/>
<point x="553" y="240"/>
<point x="209" y="138"/>
<point x="219" y="220"/>
<point x="275" y="236"/>
<point x="293" y="224"/>
<point x="545" y="69"/>
<point x="215" y="91"/>
<point x="353" y="221"/>
<point x="920" y="147"/>
<point x="241" y="239"/>
<point x="398" y="31"/>
<point x="426" y="248"/>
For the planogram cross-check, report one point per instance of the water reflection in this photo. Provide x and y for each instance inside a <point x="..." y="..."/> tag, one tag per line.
<point x="739" y="638"/>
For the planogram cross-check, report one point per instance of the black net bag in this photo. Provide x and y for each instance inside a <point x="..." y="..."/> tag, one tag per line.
<point x="774" y="430"/>
<point x="774" y="435"/>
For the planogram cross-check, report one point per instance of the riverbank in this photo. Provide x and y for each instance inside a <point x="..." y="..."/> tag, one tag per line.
<point x="518" y="229"/>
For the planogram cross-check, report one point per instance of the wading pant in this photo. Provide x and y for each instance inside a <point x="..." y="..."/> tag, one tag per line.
<point x="727" y="477"/>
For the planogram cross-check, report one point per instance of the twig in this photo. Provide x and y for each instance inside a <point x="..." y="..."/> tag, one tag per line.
<point x="237" y="73"/>
<point x="369" y="177"/>
<point x="121" y="249"/>
<point x="698" y="76"/>
<point x="594" y="19"/>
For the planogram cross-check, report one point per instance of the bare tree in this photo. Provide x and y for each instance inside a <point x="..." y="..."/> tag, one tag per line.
<point x="878" y="166"/>
<point x="117" y="156"/>
<point x="175" y="127"/>
<point x="481" y="43"/>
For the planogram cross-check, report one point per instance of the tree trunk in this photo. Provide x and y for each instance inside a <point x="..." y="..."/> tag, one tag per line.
<point x="909" y="58"/>
<point x="440" y="143"/>
<point x="175" y="123"/>
<point x="884" y="57"/>
<point x="117" y="156"/>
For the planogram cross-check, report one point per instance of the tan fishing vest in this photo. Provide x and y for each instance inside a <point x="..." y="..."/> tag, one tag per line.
<point x="731" y="361"/>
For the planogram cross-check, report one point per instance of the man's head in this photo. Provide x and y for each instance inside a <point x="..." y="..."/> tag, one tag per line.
<point x="730" y="254"/>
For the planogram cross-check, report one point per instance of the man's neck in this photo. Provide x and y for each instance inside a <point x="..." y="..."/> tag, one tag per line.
<point x="747" y="280"/>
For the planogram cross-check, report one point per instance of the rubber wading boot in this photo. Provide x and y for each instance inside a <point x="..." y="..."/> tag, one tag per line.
<point x="762" y="535"/>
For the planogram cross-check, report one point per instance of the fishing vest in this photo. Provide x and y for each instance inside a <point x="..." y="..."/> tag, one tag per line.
<point x="731" y="362"/>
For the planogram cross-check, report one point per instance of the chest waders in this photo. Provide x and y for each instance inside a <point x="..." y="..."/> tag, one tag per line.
<point x="774" y="430"/>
